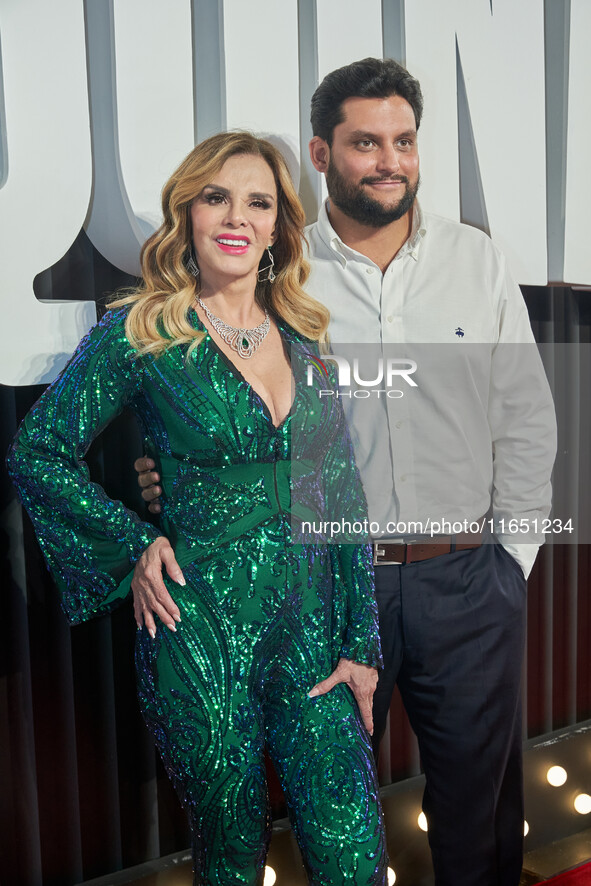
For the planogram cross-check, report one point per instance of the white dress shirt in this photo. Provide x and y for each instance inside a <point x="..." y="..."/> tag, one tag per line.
<point x="479" y="428"/>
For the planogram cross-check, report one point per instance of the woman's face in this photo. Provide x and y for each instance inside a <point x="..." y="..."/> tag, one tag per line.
<point x="233" y="220"/>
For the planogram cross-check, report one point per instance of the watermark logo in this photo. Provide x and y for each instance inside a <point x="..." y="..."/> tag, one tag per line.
<point x="315" y="363"/>
<point x="361" y="383"/>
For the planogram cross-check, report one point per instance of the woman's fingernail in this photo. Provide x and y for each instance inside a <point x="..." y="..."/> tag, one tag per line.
<point x="313" y="693"/>
<point x="177" y="618"/>
<point x="181" y="581"/>
<point x="152" y="633"/>
<point x="171" y="627"/>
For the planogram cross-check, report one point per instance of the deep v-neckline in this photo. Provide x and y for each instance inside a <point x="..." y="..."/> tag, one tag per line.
<point x="234" y="369"/>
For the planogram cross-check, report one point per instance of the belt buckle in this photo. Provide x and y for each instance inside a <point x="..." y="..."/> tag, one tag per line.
<point x="379" y="552"/>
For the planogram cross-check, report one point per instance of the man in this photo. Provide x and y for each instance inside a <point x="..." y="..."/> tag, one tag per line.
<point x="478" y="449"/>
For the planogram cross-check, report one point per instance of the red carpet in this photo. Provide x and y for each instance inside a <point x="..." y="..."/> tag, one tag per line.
<point x="580" y="876"/>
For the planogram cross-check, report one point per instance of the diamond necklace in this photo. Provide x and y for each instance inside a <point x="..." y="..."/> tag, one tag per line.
<point x="244" y="341"/>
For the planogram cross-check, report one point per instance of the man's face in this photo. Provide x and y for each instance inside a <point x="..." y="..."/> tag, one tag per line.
<point x="372" y="167"/>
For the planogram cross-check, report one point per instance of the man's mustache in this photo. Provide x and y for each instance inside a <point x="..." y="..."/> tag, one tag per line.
<point x="369" y="180"/>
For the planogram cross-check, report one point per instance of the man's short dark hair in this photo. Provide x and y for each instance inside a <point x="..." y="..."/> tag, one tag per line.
<point x="368" y="78"/>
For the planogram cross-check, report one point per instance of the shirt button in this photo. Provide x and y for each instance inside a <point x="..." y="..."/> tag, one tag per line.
<point x="390" y="318"/>
<point x="398" y="424"/>
<point x="369" y="270"/>
<point x="403" y="477"/>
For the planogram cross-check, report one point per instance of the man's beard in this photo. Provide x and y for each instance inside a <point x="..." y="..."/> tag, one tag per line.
<point x="354" y="202"/>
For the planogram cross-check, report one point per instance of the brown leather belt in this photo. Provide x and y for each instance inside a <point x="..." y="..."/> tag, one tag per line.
<point x="386" y="553"/>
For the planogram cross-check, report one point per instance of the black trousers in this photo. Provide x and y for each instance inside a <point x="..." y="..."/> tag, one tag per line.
<point x="452" y="631"/>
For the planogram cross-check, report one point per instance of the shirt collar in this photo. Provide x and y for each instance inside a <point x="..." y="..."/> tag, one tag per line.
<point x="345" y="253"/>
<point x="417" y="232"/>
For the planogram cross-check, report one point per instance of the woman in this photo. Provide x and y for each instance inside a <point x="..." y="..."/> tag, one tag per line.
<point x="249" y="622"/>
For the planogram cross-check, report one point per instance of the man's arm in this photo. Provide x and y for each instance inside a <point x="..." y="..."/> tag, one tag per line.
<point x="523" y="428"/>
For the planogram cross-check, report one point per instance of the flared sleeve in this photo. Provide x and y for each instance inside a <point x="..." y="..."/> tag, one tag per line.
<point x="90" y="542"/>
<point x="353" y="567"/>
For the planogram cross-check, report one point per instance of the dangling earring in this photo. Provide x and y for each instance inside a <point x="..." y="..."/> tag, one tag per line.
<point x="267" y="273"/>
<point x="190" y="263"/>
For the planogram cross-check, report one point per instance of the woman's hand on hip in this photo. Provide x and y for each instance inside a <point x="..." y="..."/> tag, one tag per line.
<point x="361" y="680"/>
<point x="150" y="594"/>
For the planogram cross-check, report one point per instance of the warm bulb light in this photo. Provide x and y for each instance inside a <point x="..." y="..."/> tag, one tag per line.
<point x="391" y="877"/>
<point x="525" y="829"/>
<point x="583" y="804"/>
<point x="556" y="776"/>
<point x="422" y="822"/>
<point x="270" y="876"/>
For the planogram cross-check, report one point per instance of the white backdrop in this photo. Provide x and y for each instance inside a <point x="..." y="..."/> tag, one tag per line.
<point x="102" y="100"/>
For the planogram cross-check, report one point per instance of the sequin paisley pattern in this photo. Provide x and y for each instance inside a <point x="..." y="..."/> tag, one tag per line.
<point x="262" y="618"/>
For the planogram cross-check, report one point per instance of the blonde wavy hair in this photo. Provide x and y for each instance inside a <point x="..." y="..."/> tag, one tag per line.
<point x="158" y="317"/>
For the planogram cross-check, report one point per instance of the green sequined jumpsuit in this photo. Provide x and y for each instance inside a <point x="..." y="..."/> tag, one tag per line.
<point x="262" y="618"/>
